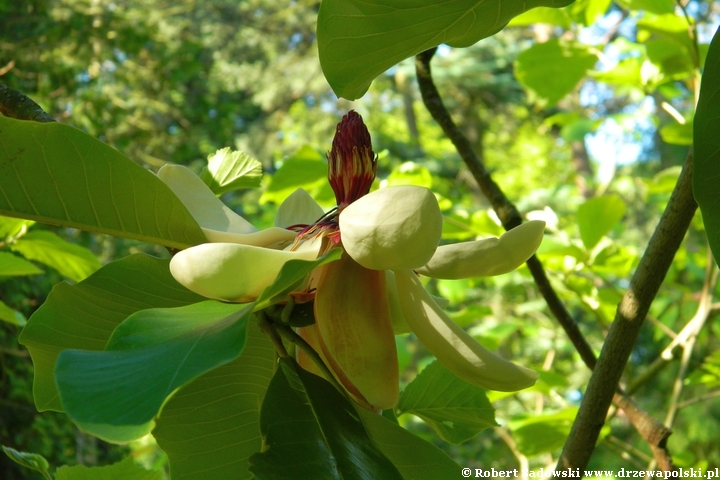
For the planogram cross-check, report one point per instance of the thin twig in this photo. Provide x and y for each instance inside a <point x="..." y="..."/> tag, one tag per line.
<point x="701" y="398"/>
<point x="17" y="105"/>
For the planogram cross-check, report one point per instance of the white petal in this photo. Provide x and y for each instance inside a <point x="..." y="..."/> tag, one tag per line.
<point x="298" y="209"/>
<point x="484" y="258"/>
<point x="273" y="237"/>
<point x="392" y="228"/>
<point x="232" y="272"/>
<point x="204" y="206"/>
<point x="452" y="346"/>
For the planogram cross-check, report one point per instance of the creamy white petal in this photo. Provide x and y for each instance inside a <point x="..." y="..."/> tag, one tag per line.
<point x="299" y="208"/>
<point x="484" y="258"/>
<point x="452" y="346"/>
<point x="232" y="272"/>
<point x="273" y="237"/>
<point x="204" y="206"/>
<point x="392" y="228"/>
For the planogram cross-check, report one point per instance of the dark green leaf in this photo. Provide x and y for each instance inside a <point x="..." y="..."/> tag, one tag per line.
<point x="359" y="40"/>
<point x="456" y="409"/>
<point x="72" y="261"/>
<point x="310" y="430"/>
<point x="231" y="170"/>
<point x="124" y="470"/>
<point x="597" y="217"/>
<point x="707" y="147"/>
<point x="12" y="266"/>
<point x="54" y="173"/>
<point x="29" y="460"/>
<point x="553" y="69"/>
<point x="211" y="426"/>
<point x="83" y="316"/>
<point x="148" y="356"/>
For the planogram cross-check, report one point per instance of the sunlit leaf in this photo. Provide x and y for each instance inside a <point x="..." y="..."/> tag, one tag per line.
<point x="654" y="6"/>
<point x="83" y="316"/>
<point x="597" y="217"/>
<point x="359" y="40"/>
<point x="125" y="470"/>
<point x="457" y="410"/>
<point x="553" y="69"/>
<point x="306" y="169"/>
<point x="12" y="266"/>
<point x="10" y="226"/>
<point x="11" y="316"/>
<point x="211" y="426"/>
<point x="707" y="147"/>
<point x="148" y="356"/>
<point x="547" y="432"/>
<point x="551" y="16"/>
<point x="231" y="170"/>
<point x="677" y="134"/>
<point x="54" y="173"/>
<point x="71" y="260"/>
<point x="310" y="430"/>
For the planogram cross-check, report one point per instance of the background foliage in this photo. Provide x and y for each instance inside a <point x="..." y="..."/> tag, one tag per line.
<point x="583" y="114"/>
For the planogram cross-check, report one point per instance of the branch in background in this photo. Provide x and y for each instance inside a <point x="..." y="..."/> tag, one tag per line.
<point x="650" y="429"/>
<point x="14" y="104"/>
<point x="631" y="312"/>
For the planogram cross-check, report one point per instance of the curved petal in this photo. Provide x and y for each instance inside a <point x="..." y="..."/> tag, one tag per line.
<point x="353" y="318"/>
<point x="452" y="346"/>
<point x="392" y="228"/>
<point x="484" y="258"/>
<point x="399" y="324"/>
<point x="204" y="206"/>
<point x="299" y="208"/>
<point x="273" y="237"/>
<point x="232" y="272"/>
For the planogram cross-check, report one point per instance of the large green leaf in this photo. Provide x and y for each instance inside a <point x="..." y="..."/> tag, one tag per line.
<point x="597" y="217"/>
<point x="536" y="434"/>
<point x="456" y="409"/>
<point x="10" y="226"/>
<point x="73" y="261"/>
<point x="148" y="356"/>
<point x="306" y="169"/>
<point x="706" y="171"/>
<point x="231" y="170"/>
<point x="415" y="458"/>
<point x="310" y="430"/>
<point x="83" y="316"/>
<point x="358" y="40"/>
<point x="211" y="426"/>
<point x="12" y="266"/>
<point x="54" y="173"/>
<point x="552" y="69"/>
<point x="125" y="470"/>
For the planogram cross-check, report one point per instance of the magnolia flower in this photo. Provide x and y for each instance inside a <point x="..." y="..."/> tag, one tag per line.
<point x="360" y="301"/>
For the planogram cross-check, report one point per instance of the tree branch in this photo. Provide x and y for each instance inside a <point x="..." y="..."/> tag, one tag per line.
<point x="649" y="428"/>
<point x="631" y="312"/>
<point x="14" y="104"/>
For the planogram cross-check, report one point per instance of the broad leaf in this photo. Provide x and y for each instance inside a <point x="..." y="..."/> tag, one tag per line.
<point x="553" y="69"/>
<point x="306" y="169"/>
<point x="72" y="261"/>
<point x="310" y="430"/>
<point x="359" y="40"/>
<point x="125" y="470"/>
<point x="677" y="134"/>
<point x="150" y="354"/>
<point x="551" y="16"/>
<point x="415" y="458"/>
<point x="11" y="316"/>
<point x="54" y="173"/>
<point x="83" y="316"/>
<point x="211" y="426"/>
<point x="456" y="409"/>
<point x="231" y="170"/>
<point x="707" y="147"/>
<point x="29" y="460"/>
<point x="654" y="6"/>
<point x="542" y="433"/>
<point x="597" y="217"/>
<point x="10" y="226"/>
<point x="13" y="266"/>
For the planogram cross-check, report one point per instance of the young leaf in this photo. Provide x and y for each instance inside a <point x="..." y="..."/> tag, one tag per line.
<point x="306" y="169"/>
<point x="125" y="470"/>
<point x="29" y="460"/>
<point x="552" y="69"/>
<point x="213" y="422"/>
<point x="72" y="261"/>
<point x="456" y="409"/>
<point x="231" y="170"/>
<point x="54" y="173"/>
<point x="707" y="147"/>
<point x="14" y="266"/>
<point x="310" y="430"/>
<point x="359" y="40"/>
<point x="83" y="316"/>
<point x="150" y="354"/>
<point x="597" y="217"/>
